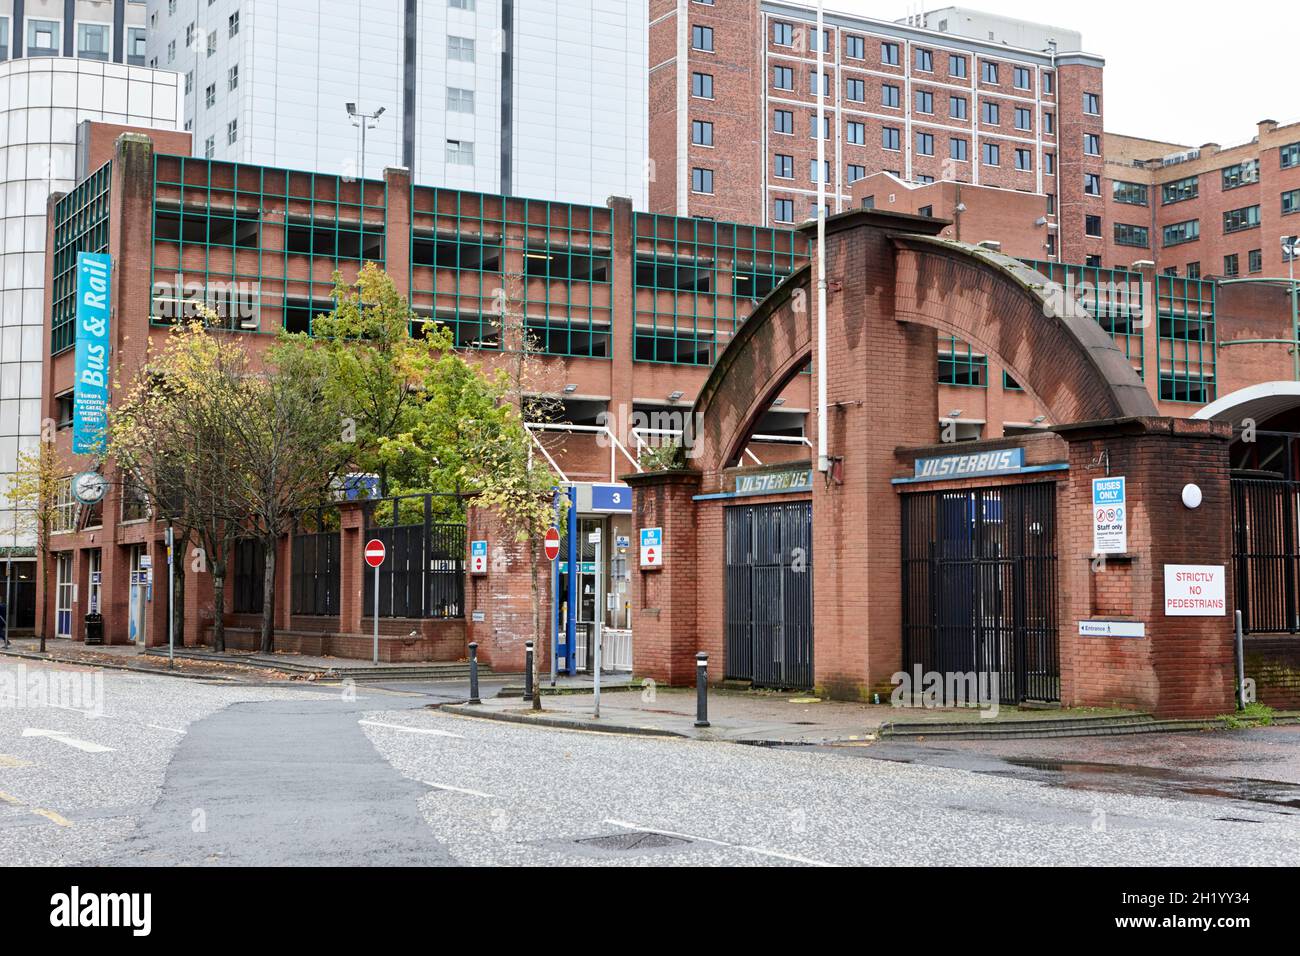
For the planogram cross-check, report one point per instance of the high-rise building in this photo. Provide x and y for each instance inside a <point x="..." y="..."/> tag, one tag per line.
<point x="544" y="99"/>
<point x="60" y="65"/>
<point x="947" y="96"/>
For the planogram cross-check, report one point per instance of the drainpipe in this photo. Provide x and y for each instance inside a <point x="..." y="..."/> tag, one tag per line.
<point x="823" y="461"/>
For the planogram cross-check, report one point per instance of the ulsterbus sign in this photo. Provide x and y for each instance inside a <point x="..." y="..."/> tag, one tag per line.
<point x="1003" y="461"/>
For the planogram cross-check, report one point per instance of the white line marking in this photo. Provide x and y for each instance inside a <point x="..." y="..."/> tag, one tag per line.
<point x="447" y="786"/>
<point x="170" y="730"/>
<point x="739" y="846"/>
<point x="86" y="745"/>
<point x="411" y="730"/>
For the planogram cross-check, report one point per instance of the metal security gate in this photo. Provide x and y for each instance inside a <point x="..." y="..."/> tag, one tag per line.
<point x="423" y="574"/>
<point x="1266" y="554"/>
<point x="769" y="594"/>
<point x="979" y="589"/>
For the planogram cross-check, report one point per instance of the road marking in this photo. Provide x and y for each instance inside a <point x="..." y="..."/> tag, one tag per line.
<point x="447" y="786"/>
<point x="170" y="730"/>
<point x="411" y="730"/>
<point x="8" y="763"/>
<point x="50" y="815"/>
<point x="738" y="846"/>
<point x="61" y="737"/>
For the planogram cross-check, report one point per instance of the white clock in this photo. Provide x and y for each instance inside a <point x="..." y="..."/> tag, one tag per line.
<point x="89" y="487"/>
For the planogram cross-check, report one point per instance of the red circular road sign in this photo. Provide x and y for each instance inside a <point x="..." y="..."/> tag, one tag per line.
<point x="374" y="552"/>
<point x="552" y="543"/>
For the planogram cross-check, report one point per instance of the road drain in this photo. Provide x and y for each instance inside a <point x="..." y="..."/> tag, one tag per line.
<point x="632" y="840"/>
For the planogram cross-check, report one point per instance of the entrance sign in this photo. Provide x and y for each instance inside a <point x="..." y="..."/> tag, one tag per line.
<point x="606" y="498"/>
<point x="796" y="479"/>
<point x="1195" y="590"/>
<point x="478" y="557"/>
<point x="90" y="388"/>
<point x="552" y="543"/>
<point x="1112" y="629"/>
<point x="1003" y="461"/>
<point x="652" y="547"/>
<point x="375" y="552"/>
<point x="1109" y="516"/>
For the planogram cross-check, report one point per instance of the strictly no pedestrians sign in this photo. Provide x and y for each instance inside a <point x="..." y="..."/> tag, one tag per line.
<point x="375" y="552"/>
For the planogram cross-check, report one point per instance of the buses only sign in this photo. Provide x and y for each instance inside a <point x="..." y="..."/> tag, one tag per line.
<point x="1109" y="516"/>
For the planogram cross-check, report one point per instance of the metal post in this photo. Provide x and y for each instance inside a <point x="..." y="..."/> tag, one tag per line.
<point x="473" y="673"/>
<point x="701" y="689"/>
<point x="377" y="611"/>
<point x="1295" y="320"/>
<point x="596" y="628"/>
<point x="171" y="597"/>
<point x="1241" y="666"/>
<point x="528" y="670"/>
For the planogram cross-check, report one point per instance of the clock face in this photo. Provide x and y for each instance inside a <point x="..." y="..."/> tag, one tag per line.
<point x="89" y="487"/>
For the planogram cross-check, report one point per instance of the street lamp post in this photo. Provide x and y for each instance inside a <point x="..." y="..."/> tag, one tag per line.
<point x="1290" y="247"/>
<point x="365" y="121"/>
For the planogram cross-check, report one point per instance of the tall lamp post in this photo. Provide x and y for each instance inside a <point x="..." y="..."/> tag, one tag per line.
<point x="365" y="121"/>
<point x="1290" y="248"/>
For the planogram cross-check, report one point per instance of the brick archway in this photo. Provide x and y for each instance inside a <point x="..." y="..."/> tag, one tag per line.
<point x="994" y="302"/>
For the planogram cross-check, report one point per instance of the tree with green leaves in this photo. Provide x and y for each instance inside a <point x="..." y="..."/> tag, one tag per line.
<point x="34" y="490"/>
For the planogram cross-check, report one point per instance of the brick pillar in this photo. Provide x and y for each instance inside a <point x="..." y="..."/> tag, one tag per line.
<point x="664" y="622"/>
<point x="352" y="567"/>
<point x="503" y="597"/>
<point x="1184" y="666"/>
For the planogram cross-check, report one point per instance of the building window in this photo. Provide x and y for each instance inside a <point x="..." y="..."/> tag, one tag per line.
<point x="1049" y="82"/>
<point x="960" y="365"/>
<point x="1092" y="226"/>
<point x="189" y="82"/>
<point x="232" y="28"/>
<point x="1290" y="202"/>
<point x="1181" y="232"/>
<point x="783" y="166"/>
<point x="1020" y="78"/>
<point x="1255" y="260"/>
<point x="783" y="121"/>
<point x="460" y="101"/>
<point x="1236" y="220"/>
<point x="1126" y="235"/>
<point x="783" y="77"/>
<point x="1241" y="174"/>
<point x="232" y="131"/>
<point x="856" y="133"/>
<point x="1091" y="184"/>
<point x="212" y="44"/>
<point x="702" y="85"/>
<point x="458" y="48"/>
<point x="1132" y="194"/>
<point x="783" y="210"/>
<point x="1193" y="270"/>
<point x="992" y="154"/>
<point x="1180" y="190"/>
<point x="924" y="101"/>
<point x="702" y="38"/>
<point x="889" y="96"/>
<point x="171" y="51"/>
<point x="991" y="114"/>
<point x="957" y="107"/>
<point x="210" y="96"/>
<point x="812" y="39"/>
<point x="782" y="34"/>
<point x="889" y="138"/>
<point x="43" y="38"/>
<point x="1051" y="203"/>
<point x="1049" y="164"/>
<point x="461" y="4"/>
<point x="701" y="133"/>
<point x="1093" y="261"/>
<point x="1230" y="266"/>
<point x="826" y="127"/>
<point x="93" y="41"/>
<point x="925" y="144"/>
<point x="924" y="60"/>
<point x="460" y="152"/>
<point x="957" y="149"/>
<point x="1049" y="122"/>
<point x="924" y="181"/>
<point x="1091" y="104"/>
<point x="209" y="147"/>
<point x="812" y="84"/>
<point x="1023" y="120"/>
<point x="812" y="170"/>
<point x="1091" y="144"/>
<point x="1024" y="159"/>
<point x="855" y="90"/>
<point x="854" y="47"/>
<point x="956" y="66"/>
<point x="232" y="77"/>
<point x="856" y="172"/>
<point x="889" y="54"/>
<point x="989" y="72"/>
<point x="1290" y="155"/>
<point x="702" y="180"/>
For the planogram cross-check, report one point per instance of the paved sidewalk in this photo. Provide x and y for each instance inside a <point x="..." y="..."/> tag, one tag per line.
<point x="755" y="717"/>
<point x="132" y="658"/>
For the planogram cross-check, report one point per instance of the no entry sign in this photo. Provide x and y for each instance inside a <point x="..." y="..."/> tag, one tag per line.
<point x="552" y="543"/>
<point x="375" y="552"/>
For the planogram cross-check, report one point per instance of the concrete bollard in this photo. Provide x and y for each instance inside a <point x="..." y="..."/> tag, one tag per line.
<point x="473" y="673"/>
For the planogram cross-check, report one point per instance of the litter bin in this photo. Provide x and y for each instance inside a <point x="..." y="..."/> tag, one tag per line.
<point x="94" y="628"/>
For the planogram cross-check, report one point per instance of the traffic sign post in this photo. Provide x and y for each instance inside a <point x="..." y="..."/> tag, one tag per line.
<point x="551" y="543"/>
<point x="594" y="538"/>
<point x="375" y="552"/>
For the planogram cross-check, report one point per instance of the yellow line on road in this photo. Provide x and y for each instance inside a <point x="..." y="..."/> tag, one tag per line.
<point x="39" y="811"/>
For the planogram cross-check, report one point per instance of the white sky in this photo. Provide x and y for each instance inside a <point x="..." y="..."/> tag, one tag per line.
<point x="1193" y="72"/>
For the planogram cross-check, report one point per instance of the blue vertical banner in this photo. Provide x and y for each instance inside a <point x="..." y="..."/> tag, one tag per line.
<point x="90" y="390"/>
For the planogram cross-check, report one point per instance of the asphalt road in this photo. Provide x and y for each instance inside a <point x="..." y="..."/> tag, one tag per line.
<point x="192" y="773"/>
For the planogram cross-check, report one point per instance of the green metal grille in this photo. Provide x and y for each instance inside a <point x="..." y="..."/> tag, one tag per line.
<point x="258" y="245"/>
<point x="490" y="267"/>
<point x="1114" y="297"/>
<point x="80" y="225"/>
<point x="696" y="280"/>
<point x="961" y="365"/>
<point x="1186" y="347"/>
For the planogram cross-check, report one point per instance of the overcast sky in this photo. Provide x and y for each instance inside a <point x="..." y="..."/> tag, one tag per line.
<point x="1190" y="72"/>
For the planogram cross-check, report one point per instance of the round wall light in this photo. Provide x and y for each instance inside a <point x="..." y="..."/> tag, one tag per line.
<point x="1192" y="496"/>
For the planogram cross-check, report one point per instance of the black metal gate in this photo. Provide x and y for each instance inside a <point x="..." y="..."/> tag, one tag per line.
<point x="1266" y="554"/>
<point x="769" y="594"/>
<point x="979" y="588"/>
<point x="315" y="569"/>
<point x="423" y="574"/>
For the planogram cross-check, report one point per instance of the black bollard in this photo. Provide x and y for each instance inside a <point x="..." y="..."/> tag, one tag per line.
<point x="701" y="689"/>
<point x="473" y="673"/>
<point x="528" y="670"/>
